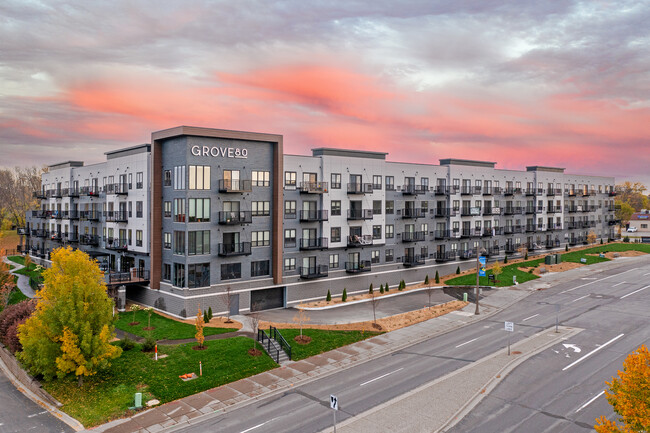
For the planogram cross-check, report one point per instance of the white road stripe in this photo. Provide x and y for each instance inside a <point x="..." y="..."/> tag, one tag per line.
<point x="595" y="281"/>
<point x="36" y="414"/>
<point x="528" y="318"/>
<point x="590" y="401"/>
<point x="636" y="291"/>
<point x="592" y="352"/>
<point x="618" y="284"/>
<point x="467" y="342"/>
<point x="577" y="299"/>
<point x="645" y="275"/>
<point x="380" y="377"/>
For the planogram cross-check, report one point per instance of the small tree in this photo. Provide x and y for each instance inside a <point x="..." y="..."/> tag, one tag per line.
<point x="505" y="260"/>
<point x="566" y="247"/>
<point x="28" y="261"/>
<point x="134" y="308"/>
<point x="328" y="298"/>
<point x="254" y="317"/>
<point x="344" y="297"/>
<point x="198" y="322"/>
<point x="437" y="278"/>
<point x="209" y="313"/>
<point x="458" y="270"/>
<point x="601" y="241"/>
<point x="374" y="300"/>
<point x="206" y="319"/>
<point x="370" y="290"/>
<point x="496" y="271"/>
<point x="301" y="318"/>
<point x="149" y="310"/>
<point x="229" y="300"/>
<point x="7" y="284"/>
<point x="381" y="289"/>
<point x="591" y="237"/>
<point x="386" y="288"/>
<point x="426" y="279"/>
<point x="629" y="395"/>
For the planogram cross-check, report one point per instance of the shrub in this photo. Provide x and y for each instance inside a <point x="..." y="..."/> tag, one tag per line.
<point x="13" y="314"/>
<point x="458" y="270"/>
<point x="386" y="287"/>
<point x="526" y="256"/>
<point x="206" y="319"/>
<point x="13" y="342"/>
<point x="344" y="297"/>
<point x="530" y="271"/>
<point x="601" y="241"/>
<point x="505" y="260"/>
<point x="426" y="279"/>
<point x="566" y="247"/>
<point x="370" y="289"/>
<point x="381" y="288"/>
<point x="328" y="298"/>
<point x="126" y="343"/>
<point x="210" y="313"/>
<point x="149" y="344"/>
<point x="437" y="278"/>
<point x="626" y="239"/>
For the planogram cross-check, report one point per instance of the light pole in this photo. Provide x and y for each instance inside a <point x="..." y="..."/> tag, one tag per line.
<point x="477" y="269"/>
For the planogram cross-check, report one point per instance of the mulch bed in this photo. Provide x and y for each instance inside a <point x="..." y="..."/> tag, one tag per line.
<point x="302" y="339"/>
<point x="254" y="352"/>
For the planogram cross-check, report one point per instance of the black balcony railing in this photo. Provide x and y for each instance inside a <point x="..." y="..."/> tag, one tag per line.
<point x="491" y="251"/>
<point x="487" y="190"/>
<point x="442" y="212"/>
<point x="441" y="190"/>
<point x="359" y="240"/>
<point x="121" y="188"/>
<point x="357" y="267"/>
<point x="90" y="215"/>
<point x="445" y="256"/>
<point x="531" y="191"/>
<point x="239" y="249"/>
<point x="512" y="248"/>
<point x="134" y="275"/>
<point x="552" y="243"/>
<point x="72" y="237"/>
<point x="85" y="239"/>
<point x="531" y="227"/>
<point x="70" y="215"/>
<point x="235" y="217"/>
<point x="412" y="213"/>
<point x="414" y="189"/>
<point x="467" y="254"/>
<point x="71" y="192"/>
<point x="470" y="190"/>
<point x="313" y="215"/>
<point x="118" y="244"/>
<point x="116" y="216"/>
<point x="309" y="272"/>
<point x="313" y="187"/>
<point x="90" y="191"/>
<point x="412" y="260"/>
<point x="360" y="188"/>
<point x="359" y="214"/>
<point x="40" y="195"/>
<point x="441" y="234"/>
<point x="235" y="185"/>
<point x="313" y="243"/>
<point x="413" y="236"/>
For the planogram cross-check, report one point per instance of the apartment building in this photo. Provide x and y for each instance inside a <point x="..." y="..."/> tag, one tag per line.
<point x="236" y="224"/>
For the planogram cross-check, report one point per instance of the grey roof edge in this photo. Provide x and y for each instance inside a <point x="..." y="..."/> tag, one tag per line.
<point x="348" y="153"/>
<point x="200" y="131"/>
<point x="543" y="168"/>
<point x="66" y="164"/>
<point x="469" y="162"/>
<point x="144" y="146"/>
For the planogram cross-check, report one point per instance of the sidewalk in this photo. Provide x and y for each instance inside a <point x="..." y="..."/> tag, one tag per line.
<point x="23" y="280"/>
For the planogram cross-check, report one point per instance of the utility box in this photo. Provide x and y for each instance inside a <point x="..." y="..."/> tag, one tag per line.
<point x="558" y="258"/>
<point x="549" y="260"/>
<point x="138" y="400"/>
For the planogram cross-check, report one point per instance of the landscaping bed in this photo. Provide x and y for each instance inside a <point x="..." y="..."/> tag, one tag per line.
<point x="164" y="328"/>
<point x="321" y="340"/>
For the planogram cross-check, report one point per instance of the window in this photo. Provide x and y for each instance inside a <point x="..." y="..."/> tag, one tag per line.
<point x="261" y="178"/>
<point x="230" y="271"/>
<point x="167" y="209"/>
<point x="376" y="182"/>
<point x="289" y="238"/>
<point x="167" y="241"/>
<point x="179" y="274"/>
<point x="261" y="208"/>
<point x="198" y="242"/>
<point x="425" y="183"/>
<point x="167" y="272"/>
<point x="424" y="205"/>
<point x="138" y="209"/>
<point x="376" y="232"/>
<point x="198" y="210"/>
<point x="167" y="179"/>
<point x="374" y="257"/>
<point x="290" y="209"/>
<point x="389" y="255"/>
<point x="390" y="183"/>
<point x="130" y="209"/>
<point x="138" y="238"/>
<point x="334" y="261"/>
<point x="336" y="181"/>
<point x="336" y="207"/>
<point x="260" y="268"/>
<point x="260" y="238"/>
<point x="179" y="177"/>
<point x="335" y="234"/>
<point x="290" y="264"/>
<point x="179" y="243"/>
<point x="139" y="180"/>
<point x="376" y="207"/>
<point x="390" y="207"/>
<point x="644" y="226"/>
<point x="390" y="231"/>
<point x="199" y="177"/>
<point x="290" y="178"/>
<point x="179" y="210"/>
<point x="198" y="275"/>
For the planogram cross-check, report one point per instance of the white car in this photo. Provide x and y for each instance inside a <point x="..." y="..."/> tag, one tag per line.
<point x="632" y="229"/>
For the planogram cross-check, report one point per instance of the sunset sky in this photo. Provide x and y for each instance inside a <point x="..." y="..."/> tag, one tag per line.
<point x="559" y="83"/>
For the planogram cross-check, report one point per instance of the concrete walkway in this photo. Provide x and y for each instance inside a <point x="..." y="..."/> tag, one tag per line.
<point x="23" y="280"/>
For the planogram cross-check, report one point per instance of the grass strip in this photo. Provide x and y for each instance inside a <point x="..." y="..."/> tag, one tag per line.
<point x="321" y="340"/>
<point x="165" y="329"/>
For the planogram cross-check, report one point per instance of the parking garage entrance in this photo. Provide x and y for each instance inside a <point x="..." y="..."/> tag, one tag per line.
<point x="267" y="299"/>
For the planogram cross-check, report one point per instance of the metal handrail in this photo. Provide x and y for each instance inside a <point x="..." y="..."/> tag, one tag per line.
<point x="261" y="338"/>
<point x="275" y="334"/>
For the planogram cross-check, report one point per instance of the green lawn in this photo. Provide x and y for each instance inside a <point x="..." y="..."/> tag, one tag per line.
<point x="505" y="279"/>
<point x="16" y="296"/>
<point x="17" y="259"/>
<point x="108" y="394"/>
<point x="35" y="276"/>
<point x="166" y="329"/>
<point x="321" y="340"/>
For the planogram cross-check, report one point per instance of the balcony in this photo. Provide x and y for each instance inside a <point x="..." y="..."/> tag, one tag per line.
<point x="314" y="215"/>
<point x="412" y="213"/>
<point x="358" y="267"/>
<point x="612" y="193"/>
<point x="313" y="187"/>
<point x="360" y="188"/>
<point x="240" y="249"/>
<point x="487" y="232"/>
<point x="41" y="214"/>
<point x="56" y="193"/>
<point x="413" y="236"/>
<point x="553" y="192"/>
<point x="470" y="190"/>
<point x="90" y="215"/>
<point x="56" y="214"/>
<point x="441" y="234"/>
<point x="553" y="227"/>
<point x="445" y="256"/>
<point x="235" y="185"/>
<point x="136" y="275"/>
<point x="552" y="244"/>
<point x="56" y="236"/>
<point x="467" y="254"/>
<point x="359" y="214"/>
<point x="442" y="212"/>
<point x="470" y="211"/>
<point x="121" y="188"/>
<point x="531" y="191"/>
<point x="487" y="190"/>
<point x="116" y="216"/>
<point x="90" y="191"/>
<point x="234" y="217"/>
<point x="412" y="260"/>
<point x="71" y="192"/>
<point x="313" y="243"/>
<point x="89" y="240"/>
<point x="513" y="210"/>
<point x="512" y="248"/>
<point x="467" y="233"/>
<point x="40" y="195"/>
<point x="553" y="209"/>
<point x="491" y="251"/>
<point x="72" y="238"/>
<point x="570" y="193"/>
<point x="414" y="189"/>
<point x="70" y="215"/>
<point x="359" y="240"/>
<point x="573" y="209"/>
<point x="117" y="244"/>
<point x="531" y="227"/>
<point x="311" y="272"/>
<point x="441" y="190"/>
<point x="530" y="210"/>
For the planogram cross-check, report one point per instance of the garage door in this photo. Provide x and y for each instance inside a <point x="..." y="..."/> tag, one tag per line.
<point x="267" y="298"/>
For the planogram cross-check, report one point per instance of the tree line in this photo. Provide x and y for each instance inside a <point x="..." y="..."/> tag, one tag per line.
<point x="17" y="187"/>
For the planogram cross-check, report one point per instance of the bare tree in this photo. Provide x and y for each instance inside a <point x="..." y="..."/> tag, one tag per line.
<point x="301" y="318"/>
<point x="229" y="299"/>
<point x="254" y="317"/>
<point x="374" y="301"/>
<point x="429" y="293"/>
<point x="17" y="187"/>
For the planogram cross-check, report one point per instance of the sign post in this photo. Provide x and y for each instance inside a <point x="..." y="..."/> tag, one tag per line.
<point x="510" y="327"/>
<point x="334" y="404"/>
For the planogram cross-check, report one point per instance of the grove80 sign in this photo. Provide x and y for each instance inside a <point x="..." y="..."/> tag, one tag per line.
<point x="224" y="152"/>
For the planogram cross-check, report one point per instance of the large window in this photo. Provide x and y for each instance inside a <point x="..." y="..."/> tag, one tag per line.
<point x="139" y="180"/>
<point x="198" y="242"/>
<point x="167" y="209"/>
<point x="334" y="261"/>
<point x="390" y="207"/>
<point x="261" y="238"/>
<point x="335" y="234"/>
<point x="261" y="178"/>
<point x="199" y="177"/>
<point x="374" y="257"/>
<point x="376" y="181"/>
<point x="138" y="209"/>
<point x="167" y="178"/>
<point x="179" y="274"/>
<point x="336" y="207"/>
<point x="290" y="209"/>
<point x="230" y="271"/>
<point x="376" y="207"/>
<point x="179" y="210"/>
<point x="260" y="268"/>
<point x="167" y="272"/>
<point x="290" y="178"/>
<point x="179" y="243"/>
<point x="289" y="238"/>
<point x="290" y="264"/>
<point x="376" y="232"/>
<point x="261" y="208"/>
<point x="198" y="275"/>
<point x="138" y="238"/>
<point x="179" y="177"/>
<point x="336" y="181"/>
<point x="198" y="210"/>
<point x="390" y="183"/>
<point x="167" y="241"/>
<point x="390" y="231"/>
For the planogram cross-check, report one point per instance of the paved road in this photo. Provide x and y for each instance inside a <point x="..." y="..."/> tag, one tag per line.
<point x="20" y="414"/>
<point x="550" y="398"/>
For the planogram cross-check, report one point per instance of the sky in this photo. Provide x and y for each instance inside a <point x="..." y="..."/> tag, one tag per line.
<point x="555" y="83"/>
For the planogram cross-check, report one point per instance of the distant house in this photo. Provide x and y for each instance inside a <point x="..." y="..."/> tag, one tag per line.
<point x="639" y="228"/>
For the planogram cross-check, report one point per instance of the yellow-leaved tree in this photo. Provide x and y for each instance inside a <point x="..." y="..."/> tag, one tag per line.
<point x="629" y="395"/>
<point x="71" y="329"/>
<point x="198" y="322"/>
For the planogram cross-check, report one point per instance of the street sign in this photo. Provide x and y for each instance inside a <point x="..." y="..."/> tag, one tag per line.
<point x="334" y="402"/>
<point x="482" y="260"/>
<point x="510" y="326"/>
<point x="481" y="271"/>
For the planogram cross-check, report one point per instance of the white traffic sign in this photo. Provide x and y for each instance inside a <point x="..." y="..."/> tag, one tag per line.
<point x="510" y="326"/>
<point x="334" y="402"/>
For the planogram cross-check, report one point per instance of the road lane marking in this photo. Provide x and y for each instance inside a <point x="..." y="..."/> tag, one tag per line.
<point x="253" y="428"/>
<point x="577" y="299"/>
<point x="592" y="352"/>
<point x="380" y="377"/>
<point x="645" y="275"/>
<point x="636" y="291"/>
<point x="595" y="281"/>
<point x="618" y="284"/>
<point x="590" y="401"/>
<point x="36" y="414"/>
<point x="467" y="342"/>
<point x="528" y="318"/>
